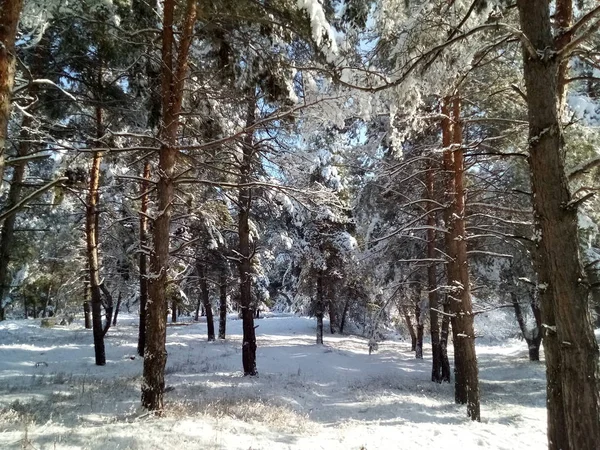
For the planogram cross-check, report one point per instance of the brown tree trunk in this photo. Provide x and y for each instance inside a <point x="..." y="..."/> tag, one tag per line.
<point x="411" y="329"/>
<point x="444" y="342"/>
<point x="87" y="313"/>
<point x="205" y="293"/>
<point x="173" y="81"/>
<point x="14" y="195"/>
<point x="245" y="265"/>
<point x="143" y="258"/>
<point x="10" y="10"/>
<point x="117" y="308"/>
<point x="92" y="236"/>
<point x="570" y="345"/>
<point x="320" y="307"/>
<point x="174" y="311"/>
<point x="419" y="315"/>
<point x="464" y="308"/>
<point x="333" y="316"/>
<point x="460" y="391"/>
<point x="436" y="353"/>
<point x="533" y="337"/>
<point x="222" y="304"/>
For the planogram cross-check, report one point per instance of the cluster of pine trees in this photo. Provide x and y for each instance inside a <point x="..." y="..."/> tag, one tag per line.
<point x="367" y="160"/>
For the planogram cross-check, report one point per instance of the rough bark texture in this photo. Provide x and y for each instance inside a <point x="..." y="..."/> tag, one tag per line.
<point x="533" y="337"/>
<point x="87" y="313"/>
<point x="14" y="195"/>
<point x="210" y="325"/>
<point x="320" y="307"/>
<point x="222" y="304"/>
<point x="420" y="323"/>
<point x="173" y="81"/>
<point x="143" y="259"/>
<point x="436" y="351"/>
<point x="245" y="265"/>
<point x="411" y="329"/>
<point x="570" y="346"/>
<point x="117" y="308"/>
<point x="463" y="308"/>
<point x="460" y="393"/>
<point x="444" y="343"/>
<point x="10" y="10"/>
<point x="91" y="229"/>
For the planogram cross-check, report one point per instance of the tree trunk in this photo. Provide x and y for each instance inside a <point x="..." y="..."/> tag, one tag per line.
<point x="172" y="84"/>
<point x="245" y="264"/>
<point x="87" y="313"/>
<point x="419" y="315"/>
<point x="222" y="304"/>
<point x="114" y="321"/>
<point x="411" y="329"/>
<point x="10" y="10"/>
<point x="460" y="392"/>
<point x="436" y="353"/>
<point x="143" y="258"/>
<point x="333" y="316"/>
<point x="92" y="235"/>
<point x="14" y="195"/>
<point x="174" y="311"/>
<point x="205" y="293"/>
<point x="320" y="306"/>
<point x="463" y="308"/>
<point x="533" y="337"/>
<point x="570" y="346"/>
<point x="444" y="342"/>
<point x="344" y="314"/>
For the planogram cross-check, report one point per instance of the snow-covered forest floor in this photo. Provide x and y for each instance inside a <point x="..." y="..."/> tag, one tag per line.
<point x="335" y="396"/>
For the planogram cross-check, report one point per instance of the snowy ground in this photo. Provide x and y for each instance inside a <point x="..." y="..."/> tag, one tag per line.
<point x="335" y="396"/>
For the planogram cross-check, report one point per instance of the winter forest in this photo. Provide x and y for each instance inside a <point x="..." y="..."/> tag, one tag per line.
<point x="337" y="224"/>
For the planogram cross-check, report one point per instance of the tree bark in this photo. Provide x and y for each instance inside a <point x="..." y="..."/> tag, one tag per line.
<point x="143" y="258"/>
<point x="222" y="304"/>
<point x="10" y="10"/>
<point x="411" y="329"/>
<point x="92" y="236"/>
<point x="205" y="293"/>
<point x="87" y="313"/>
<point x="245" y="264"/>
<point x="320" y="306"/>
<point x="460" y="391"/>
<point x="436" y="351"/>
<point x="463" y="309"/>
<point x="570" y="345"/>
<point x="14" y="195"/>
<point x="333" y="316"/>
<point x="445" y="376"/>
<point x="533" y="337"/>
<point x="420" y="323"/>
<point x="117" y="308"/>
<point x="173" y="81"/>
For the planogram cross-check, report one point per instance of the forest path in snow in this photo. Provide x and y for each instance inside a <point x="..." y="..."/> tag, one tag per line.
<point x="306" y="396"/>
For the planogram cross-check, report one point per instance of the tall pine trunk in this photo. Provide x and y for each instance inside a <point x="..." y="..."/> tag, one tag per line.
<point x="173" y="80"/>
<point x="245" y="264"/>
<point x="570" y="346"/>
<point x="460" y="393"/>
<point x="320" y="308"/>
<point x="10" y="10"/>
<point x="143" y="259"/>
<point x="436" y="350"/>
<point x="419" y="314"/>
<point x="222" y="304"/>
<point x="205" y="293"/>
<point x="14" y="195"/>
<point x="463" y="308"/>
